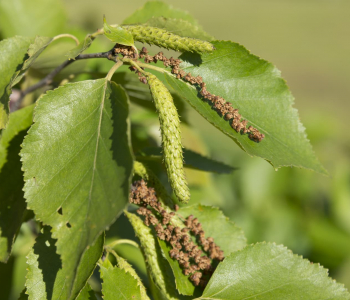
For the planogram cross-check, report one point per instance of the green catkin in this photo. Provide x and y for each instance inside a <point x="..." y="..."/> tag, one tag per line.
<point x="156" y="264"/>
<point x="123" y="264"/>
<point x="165" y="39"/>
<point x="171" y="137"/>
<point x="146" y="174"/>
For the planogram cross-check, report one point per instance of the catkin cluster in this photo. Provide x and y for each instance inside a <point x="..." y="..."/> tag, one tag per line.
<point x="184" y="250"/>
<point x="223" y="107"/>
<point x="165" y="39"/>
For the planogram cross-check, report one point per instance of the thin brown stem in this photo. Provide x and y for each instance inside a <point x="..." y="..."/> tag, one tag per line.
<point x="49" y="78"/>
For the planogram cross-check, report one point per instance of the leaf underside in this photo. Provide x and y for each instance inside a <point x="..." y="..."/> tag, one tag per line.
<point x="192" y="160"/>
<point x="77" y="164"/>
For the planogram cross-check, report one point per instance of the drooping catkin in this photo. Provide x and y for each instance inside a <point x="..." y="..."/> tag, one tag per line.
<point x="157" y="269"/>
<point x="171" y="137"/>
<point x="165" y="39"/>
<point x="145" y="173"/>
<point x="169" y="228"/>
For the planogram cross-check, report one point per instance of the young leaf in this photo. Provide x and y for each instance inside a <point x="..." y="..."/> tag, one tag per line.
<point x="192" y="160"/>
<point x="226" y="234"/>
<point x="13" y="53"/>
<point x="255" y="87"/>
<point x="124" y="265"/>
<point x="268" y="271"/>
<point x="72" y="54"/>
<point x="46" y="278"/>
<point x="31" y="18"/>
<point x="35" y="49"/>
<point x="118" y="34"/>
<point x="12" y="204"/>
<point x="158" y="9"/>
<point x="118" y="284"/>
<point x="81" y="185"/>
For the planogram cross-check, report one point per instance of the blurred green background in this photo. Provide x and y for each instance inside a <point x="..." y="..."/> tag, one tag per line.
<point x="309" y="41"/>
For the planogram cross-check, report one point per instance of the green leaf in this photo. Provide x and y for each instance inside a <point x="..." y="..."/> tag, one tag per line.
<point x="118" y="284"/>
<point x="192" y="160"/>
<point x="183" y="283"/>
<point x="81" y="185"/>
<point x="87" y="293"/>
<point x="154" y="9"/>
<point x="46" y="278"/>
<point x="35" y="49"/>
<point x="180" y="27"/>
<point x="13" y="53"/>
<point x="268" y="271"/>
<point x="124" y="265"/>
<point x="31" y="18"/>
<point x="256" y="88"/>
<point x="226" y="234"/>
<point x="12" y="204"/>
<point x="118" y="34"/>
<point x="72" y="54"/>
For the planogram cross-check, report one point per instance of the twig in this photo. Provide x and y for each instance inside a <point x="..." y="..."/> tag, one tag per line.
<point x="49" y="78"/>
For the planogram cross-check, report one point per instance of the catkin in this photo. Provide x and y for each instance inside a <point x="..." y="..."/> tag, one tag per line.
<point x="155" y="263"/>
<point x="171" y="137"/>
<point x="141" y="170"/>
<point x="165" y="39"/>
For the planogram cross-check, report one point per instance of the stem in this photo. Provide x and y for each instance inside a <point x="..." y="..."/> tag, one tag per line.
<point x="122" y="241"/>
<point x="112" y="252"/>
<point x="101" y="31"/>
<point x="66" y="35"/>
<point x="49" y="78"/>
<point x="143" y="65"/>
<point x="113" y="69"/>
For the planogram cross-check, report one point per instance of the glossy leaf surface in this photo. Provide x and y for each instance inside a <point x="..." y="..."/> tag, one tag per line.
<point x="81" y="185"/>
<point x="256" y="88"/>
<point x="268" y="271"/>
